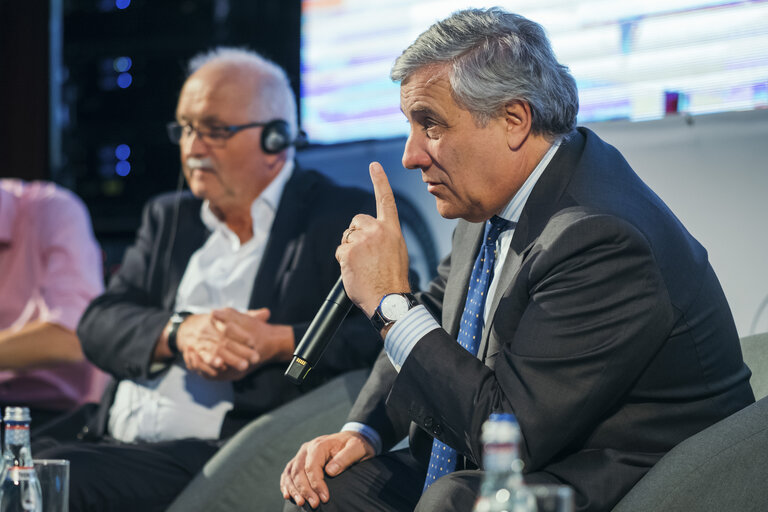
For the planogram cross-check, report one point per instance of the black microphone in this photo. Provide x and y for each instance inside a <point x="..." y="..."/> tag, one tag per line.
<point x="319" y="334"/>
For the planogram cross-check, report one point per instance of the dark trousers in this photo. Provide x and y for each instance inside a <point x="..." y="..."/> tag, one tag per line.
<point x="107" y="475"/>
<point x="392" y="482"/>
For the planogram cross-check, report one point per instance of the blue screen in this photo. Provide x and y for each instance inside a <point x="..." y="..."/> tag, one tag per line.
<point x="634" y="60"/>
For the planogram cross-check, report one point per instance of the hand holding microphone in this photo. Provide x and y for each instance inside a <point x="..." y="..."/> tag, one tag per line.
<point x="374" y="262"/>
<point x="319" y="334"/>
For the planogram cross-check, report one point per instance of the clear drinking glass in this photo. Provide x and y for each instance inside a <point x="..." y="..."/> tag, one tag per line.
<point x="54" y="481"/>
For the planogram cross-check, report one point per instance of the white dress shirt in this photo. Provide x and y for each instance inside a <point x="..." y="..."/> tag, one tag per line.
<point x="181" y="404"/>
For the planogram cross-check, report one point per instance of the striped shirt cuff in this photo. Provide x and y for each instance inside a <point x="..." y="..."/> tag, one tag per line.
<point x="406" y="332"/>
<point x="367" y="432"/>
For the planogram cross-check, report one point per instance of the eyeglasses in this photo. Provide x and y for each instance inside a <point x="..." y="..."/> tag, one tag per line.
<point x="211" y="135"/>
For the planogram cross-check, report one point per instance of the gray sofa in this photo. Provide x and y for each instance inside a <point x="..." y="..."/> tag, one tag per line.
<point x="723" y="468"/>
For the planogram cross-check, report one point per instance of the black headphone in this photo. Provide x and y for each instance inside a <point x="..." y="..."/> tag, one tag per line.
<point x="276" y="136"/>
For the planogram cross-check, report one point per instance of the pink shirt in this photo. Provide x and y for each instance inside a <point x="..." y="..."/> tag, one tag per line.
<point x="50" y="269"/>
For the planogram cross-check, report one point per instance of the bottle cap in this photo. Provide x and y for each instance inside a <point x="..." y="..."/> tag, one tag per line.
<point x="16" y="414"/>
<point x="502" y="416"/>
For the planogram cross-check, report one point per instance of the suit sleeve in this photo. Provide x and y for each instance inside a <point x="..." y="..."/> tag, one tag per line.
<point x="586" y="313"/>
<point x="370" y="408"/>
<point x="119" y="329"/>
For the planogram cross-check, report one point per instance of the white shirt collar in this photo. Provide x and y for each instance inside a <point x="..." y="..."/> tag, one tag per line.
<point x="514" y="208"/>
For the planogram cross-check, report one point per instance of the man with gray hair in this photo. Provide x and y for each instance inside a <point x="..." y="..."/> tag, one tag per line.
<point x="572" y="297"/>
<point x="198" y="325"/>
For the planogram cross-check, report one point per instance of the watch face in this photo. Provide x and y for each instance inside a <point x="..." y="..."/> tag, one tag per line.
<point x="394" y="306"/>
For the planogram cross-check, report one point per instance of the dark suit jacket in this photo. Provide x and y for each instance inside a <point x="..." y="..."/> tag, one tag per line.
<point x="298" y="269"/>
<point x="609" y="337"/>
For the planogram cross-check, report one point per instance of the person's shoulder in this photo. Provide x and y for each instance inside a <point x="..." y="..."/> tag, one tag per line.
<point x="52" y="202"/>
<point x="42" y="192"/>
<point x="49" y="209"/>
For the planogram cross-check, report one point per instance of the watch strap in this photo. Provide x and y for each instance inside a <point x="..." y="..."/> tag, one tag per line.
<point x="378" y="320"/>
<point x="176" y="320"/>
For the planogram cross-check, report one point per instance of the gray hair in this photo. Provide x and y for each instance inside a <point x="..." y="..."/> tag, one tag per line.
<point x="496" y="57"/>
<point x="274" y="98"/>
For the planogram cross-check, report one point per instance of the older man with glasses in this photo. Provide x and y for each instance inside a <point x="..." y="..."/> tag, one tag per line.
<point x="199" y="323"/>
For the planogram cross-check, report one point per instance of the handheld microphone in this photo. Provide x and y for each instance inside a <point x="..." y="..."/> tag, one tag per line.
<point x="319" y="334"/>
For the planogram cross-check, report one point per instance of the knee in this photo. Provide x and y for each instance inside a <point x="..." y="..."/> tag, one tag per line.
<point x="454" y="491"/>
<point x="290" y="506"/>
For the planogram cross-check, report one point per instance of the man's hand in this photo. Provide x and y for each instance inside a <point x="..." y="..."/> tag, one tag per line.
<point x="206" y="351"/>
<point x="227" y="345"/>
<point x="303" y="478"/>
<point x="372" y="255"/>
<point x="267" y="342"/>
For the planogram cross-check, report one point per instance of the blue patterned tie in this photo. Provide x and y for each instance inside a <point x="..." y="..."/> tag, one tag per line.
<point x="443" y="458"/>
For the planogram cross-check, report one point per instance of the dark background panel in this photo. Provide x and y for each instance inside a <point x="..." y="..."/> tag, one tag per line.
<point x="24" y="106"/>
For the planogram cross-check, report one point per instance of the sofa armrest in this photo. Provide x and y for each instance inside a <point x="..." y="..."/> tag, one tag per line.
<point x="755" y="351"/>
<point x="720" y="468"/>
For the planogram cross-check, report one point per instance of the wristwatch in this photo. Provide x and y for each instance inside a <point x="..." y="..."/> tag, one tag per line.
<point x="176" y="321"/>
<point x="392" y="308"/>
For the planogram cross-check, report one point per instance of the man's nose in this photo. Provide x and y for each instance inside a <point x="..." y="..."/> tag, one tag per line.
<point x="415" y="155"/>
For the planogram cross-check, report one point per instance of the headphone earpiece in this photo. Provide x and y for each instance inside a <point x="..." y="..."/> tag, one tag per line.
<point x="275" y="137"/>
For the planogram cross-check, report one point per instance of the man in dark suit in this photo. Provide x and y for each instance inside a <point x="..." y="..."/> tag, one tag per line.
<point x="198" y="324"/>
<point x="595" y="316"/>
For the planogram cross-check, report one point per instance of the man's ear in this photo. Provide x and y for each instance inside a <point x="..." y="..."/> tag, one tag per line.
<point x="517" y="115"/>
<point x="275" y="161"/>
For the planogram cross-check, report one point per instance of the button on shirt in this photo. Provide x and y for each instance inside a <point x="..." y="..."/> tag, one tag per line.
<point x="221" y="273"/>
<point x="418" y="322"/>
<point x="50" y="269"/>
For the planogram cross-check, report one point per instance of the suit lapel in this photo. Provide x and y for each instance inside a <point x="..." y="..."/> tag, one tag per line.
<point x="505" y="278"/>
<point x="283" y="244"/>
<point x="188" y="234"/>
<point x="546" y="197"/>
<point x="465" y="247"/>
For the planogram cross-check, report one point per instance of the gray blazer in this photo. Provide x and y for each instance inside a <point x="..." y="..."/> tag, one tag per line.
<point x="609" y="337"/>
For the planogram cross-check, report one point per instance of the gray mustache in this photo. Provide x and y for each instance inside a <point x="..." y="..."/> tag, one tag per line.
<point x="193" y="163"/>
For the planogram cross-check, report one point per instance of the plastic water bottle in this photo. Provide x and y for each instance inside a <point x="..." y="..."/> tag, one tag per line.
<point x="20" y="489"/>
<point x="503" y="489"/>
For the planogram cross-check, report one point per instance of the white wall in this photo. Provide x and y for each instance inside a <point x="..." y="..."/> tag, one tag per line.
<point x="711" y="170"/>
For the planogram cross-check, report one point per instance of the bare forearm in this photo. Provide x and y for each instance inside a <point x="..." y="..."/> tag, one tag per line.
<point x="38" y="344"/>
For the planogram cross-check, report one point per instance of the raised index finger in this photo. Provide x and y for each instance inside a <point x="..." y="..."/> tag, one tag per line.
<point x="386" y="210"/>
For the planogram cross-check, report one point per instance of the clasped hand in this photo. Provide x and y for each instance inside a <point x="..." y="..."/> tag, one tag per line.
<point x="226" y="344"/>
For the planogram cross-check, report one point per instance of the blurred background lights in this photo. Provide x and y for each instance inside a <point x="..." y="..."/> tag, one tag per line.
<point x="122" y="168"/>
<point x="124" y="80"/>
<point x="122" y="64"/>
<point x="123" y="151"/>
<point x="122" y="4"/>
